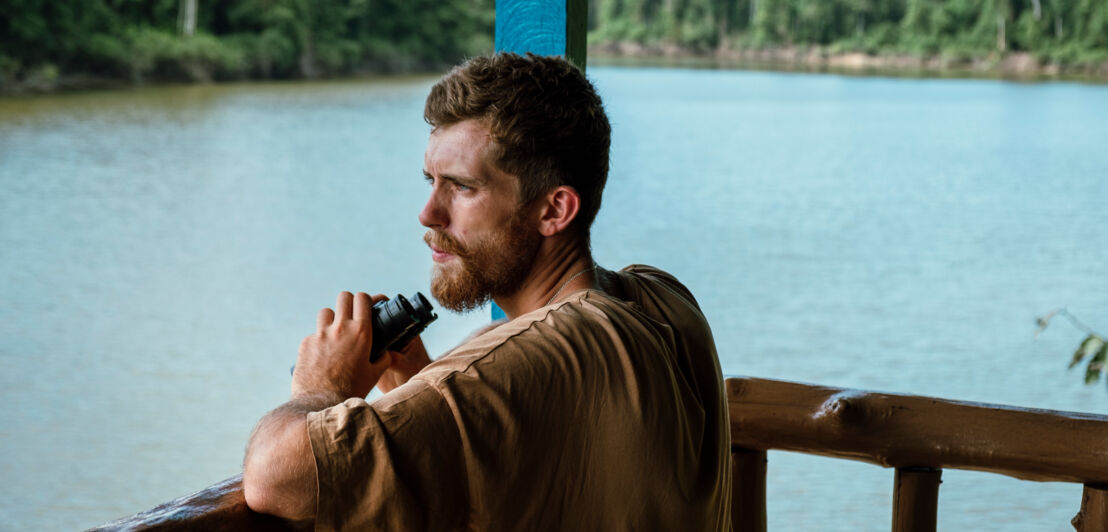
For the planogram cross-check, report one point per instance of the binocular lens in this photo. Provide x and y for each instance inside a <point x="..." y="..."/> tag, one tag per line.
<point x="397" y="321"/>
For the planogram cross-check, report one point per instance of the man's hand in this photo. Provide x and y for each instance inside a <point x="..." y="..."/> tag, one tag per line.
<point x="335" y="359"/>
<point x="279" y="475"/>
<point x="403" y="365"/>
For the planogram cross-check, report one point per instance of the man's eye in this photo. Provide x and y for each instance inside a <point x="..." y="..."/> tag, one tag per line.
<point x="462" y="188"/>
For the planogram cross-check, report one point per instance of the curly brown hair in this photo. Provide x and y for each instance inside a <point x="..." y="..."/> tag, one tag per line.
<point x="545" y="118"/>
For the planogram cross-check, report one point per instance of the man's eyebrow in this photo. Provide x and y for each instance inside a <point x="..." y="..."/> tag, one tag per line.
<point x="461" y="180"/>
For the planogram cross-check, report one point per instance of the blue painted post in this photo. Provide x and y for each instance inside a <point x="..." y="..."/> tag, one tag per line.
<point x="543" y="27"/>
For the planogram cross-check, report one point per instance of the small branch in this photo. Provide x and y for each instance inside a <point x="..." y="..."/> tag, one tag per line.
<point x="1077" y="324"/>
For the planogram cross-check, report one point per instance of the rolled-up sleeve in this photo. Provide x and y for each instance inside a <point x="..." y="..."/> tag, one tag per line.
<point x="394" y="464"/>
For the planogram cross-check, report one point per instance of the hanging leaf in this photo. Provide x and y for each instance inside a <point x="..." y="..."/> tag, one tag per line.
<point x="1090" y="345"/>
<point x="1102" y="354"/>
<point x="1096" y="364"/>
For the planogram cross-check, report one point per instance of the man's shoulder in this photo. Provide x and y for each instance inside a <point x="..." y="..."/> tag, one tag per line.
<point x="554" y="328"/>
<point x="648" y="284"/>
<point x="543" y="325"/>
<point x="647" y="299"/>
<point x="645" y="270"/>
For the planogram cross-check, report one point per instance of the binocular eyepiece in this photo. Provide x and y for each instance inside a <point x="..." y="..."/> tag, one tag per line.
<point x="396" y="322"/>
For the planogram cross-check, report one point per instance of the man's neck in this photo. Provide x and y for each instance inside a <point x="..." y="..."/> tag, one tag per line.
<point x="563" y="266"/>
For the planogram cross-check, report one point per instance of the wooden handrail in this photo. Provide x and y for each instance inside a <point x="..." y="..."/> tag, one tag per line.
<point x="919" y="436"/>
<point x="218" y="508"/>
<point x="912" y="431"/>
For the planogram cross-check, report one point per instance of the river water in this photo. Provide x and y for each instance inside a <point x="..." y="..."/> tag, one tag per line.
<point x="163" y="251"/>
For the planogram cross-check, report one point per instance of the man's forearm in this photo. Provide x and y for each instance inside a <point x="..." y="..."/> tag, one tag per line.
<point x="333" y="364"/>
<point x="279" y="474"/>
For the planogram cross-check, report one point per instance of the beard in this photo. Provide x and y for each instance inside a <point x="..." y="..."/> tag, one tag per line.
<point x="496" y="264"/>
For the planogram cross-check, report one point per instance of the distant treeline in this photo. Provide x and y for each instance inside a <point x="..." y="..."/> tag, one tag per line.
<point x="227" y="39"/>
<point x="42" y="40"/>
<point x="1065" y="31"/>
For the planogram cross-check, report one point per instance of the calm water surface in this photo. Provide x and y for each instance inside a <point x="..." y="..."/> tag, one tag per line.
<point x="163" y="251"/>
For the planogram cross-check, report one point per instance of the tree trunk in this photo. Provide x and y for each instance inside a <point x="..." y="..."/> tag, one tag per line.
<point x="721" y="18"/>
<point x="187" y="17"/>
<point x="308" y="67"/>
<point x="1001" y="41"/>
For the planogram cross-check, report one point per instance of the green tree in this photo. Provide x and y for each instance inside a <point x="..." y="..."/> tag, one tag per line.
<point x="237" y="38"/>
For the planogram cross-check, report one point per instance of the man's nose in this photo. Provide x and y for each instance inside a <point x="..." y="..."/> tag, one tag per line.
<point x="433" y="213"/>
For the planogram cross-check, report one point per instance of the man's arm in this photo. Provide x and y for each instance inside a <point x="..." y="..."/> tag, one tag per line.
<point x="279" y="472"/>
<point x="279" y="475"/>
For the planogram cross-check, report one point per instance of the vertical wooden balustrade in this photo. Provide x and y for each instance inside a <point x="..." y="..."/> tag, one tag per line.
<point x="916" y="499"/>
<point x="748" y="494"/>
<point x="1093" y="516"/>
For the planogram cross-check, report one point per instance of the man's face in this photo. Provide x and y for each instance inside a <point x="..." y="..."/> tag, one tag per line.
<point x="482" y="240"/>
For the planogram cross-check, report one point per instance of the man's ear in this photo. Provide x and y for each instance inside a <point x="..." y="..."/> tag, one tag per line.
<point x="558" y="210"/>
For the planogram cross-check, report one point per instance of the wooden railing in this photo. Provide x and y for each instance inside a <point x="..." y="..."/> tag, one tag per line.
<point x="918" y="436"/>
<point x="218" y="508"/>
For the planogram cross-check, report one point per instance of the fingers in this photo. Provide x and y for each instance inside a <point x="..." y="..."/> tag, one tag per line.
<point x="344" y="306"/>
<point x="348" y="306"/>
<point x="361" y="306"/>
<point x="324" y="319"/>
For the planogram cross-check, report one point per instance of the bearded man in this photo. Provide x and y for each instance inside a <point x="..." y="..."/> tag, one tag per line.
<point x="597" y="405"/>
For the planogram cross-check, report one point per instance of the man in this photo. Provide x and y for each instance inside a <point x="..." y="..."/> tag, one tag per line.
<point x="597" y="405"/>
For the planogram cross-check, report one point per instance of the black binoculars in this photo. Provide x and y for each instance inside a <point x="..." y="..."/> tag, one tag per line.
<point x="396" y="322"/>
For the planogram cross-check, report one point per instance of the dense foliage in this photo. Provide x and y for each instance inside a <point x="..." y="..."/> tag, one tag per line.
<point x="201" y="39"/>
<point x="221" y="39"/>
<point x="1067" y="31"/>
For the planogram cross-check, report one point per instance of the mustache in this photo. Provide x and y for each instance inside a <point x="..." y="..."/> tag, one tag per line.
<point x="444" y="242"/>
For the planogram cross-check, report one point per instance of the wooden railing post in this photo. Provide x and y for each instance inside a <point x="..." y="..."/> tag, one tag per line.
<point x="916" y="499"/>
<point x="748" y="493"/>
<point x="1094" y="509"/>
<point x="549" y="27"/>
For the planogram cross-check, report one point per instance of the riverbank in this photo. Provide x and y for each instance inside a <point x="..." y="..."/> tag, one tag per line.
<point x="49" y="80"/>
<point x="1013" y="65"/>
